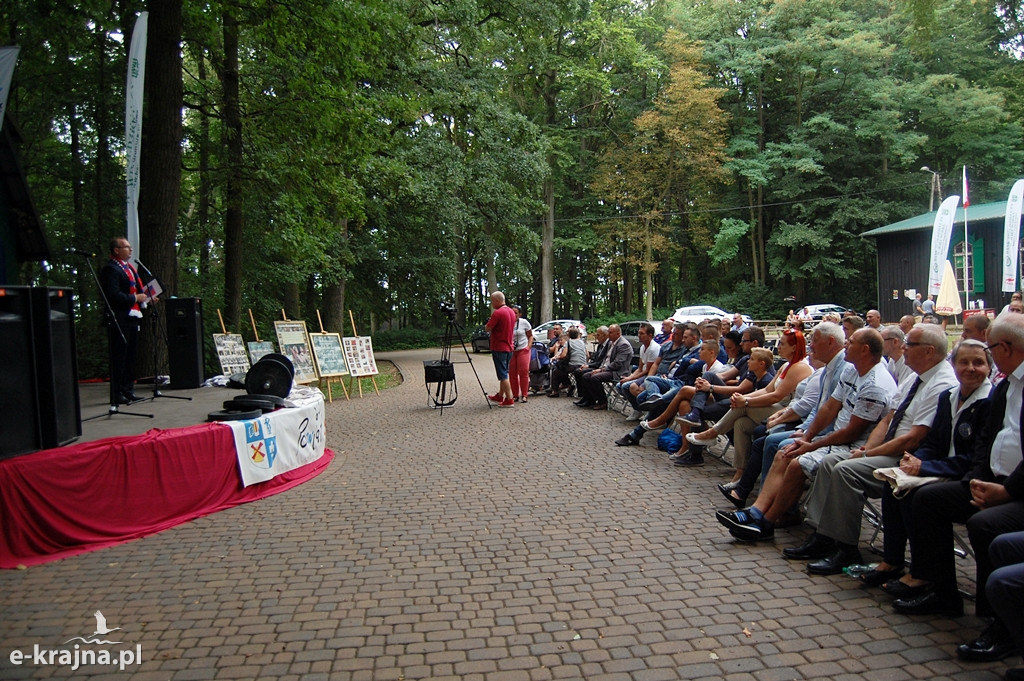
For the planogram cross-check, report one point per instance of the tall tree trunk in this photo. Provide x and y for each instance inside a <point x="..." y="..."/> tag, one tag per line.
<point x="234" y="218"/>
<point x="648" y="278"/>
<point x="160" y="162"/>
<point x="205" y="185"/>
<point x="547" y="253"/>
<point x="292" y="303"/>
<point x="334" y="295"/>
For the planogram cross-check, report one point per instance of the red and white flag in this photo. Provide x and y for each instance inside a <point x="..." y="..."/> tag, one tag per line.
<point x="965" y="199"/>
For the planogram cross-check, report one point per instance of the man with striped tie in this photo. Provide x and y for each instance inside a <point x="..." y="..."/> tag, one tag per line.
<point x="126" y="297"/>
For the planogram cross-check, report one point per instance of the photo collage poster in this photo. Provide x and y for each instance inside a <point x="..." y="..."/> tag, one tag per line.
<point x="359" y="354"/>
<point x="294" y="344"/>
<point x="231" y="353"/>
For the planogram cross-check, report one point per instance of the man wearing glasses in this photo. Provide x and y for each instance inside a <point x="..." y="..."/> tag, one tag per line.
<point x="126" y="297"/>
<point x="989" y="499"/>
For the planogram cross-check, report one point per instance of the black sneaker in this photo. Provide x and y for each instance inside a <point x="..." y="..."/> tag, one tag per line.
<point x="627" y="440"/>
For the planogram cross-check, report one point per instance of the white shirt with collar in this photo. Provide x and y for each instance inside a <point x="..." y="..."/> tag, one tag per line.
<point x="1006" y="455"/>
<point x="921" y="410"/>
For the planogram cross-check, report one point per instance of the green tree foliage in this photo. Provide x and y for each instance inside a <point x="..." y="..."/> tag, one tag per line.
<point x="384" y="155"/>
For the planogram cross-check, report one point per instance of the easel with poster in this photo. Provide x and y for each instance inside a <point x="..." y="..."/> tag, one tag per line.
<point x="294" y="343"/>
<point x="257" y="348"/>
<point x="329" y="357"/>
<point x="230" y="350"/>
<point x="359" y="357"/>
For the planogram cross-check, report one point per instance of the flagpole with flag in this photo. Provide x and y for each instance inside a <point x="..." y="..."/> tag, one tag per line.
<point x="133" y="124"/>
<point x="8" y="58"/>
<point x="967" y="283"/>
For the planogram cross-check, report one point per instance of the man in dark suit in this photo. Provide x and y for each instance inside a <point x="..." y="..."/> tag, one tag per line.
<point x="989" y="499"/>
<point x="1005" y="589"/>
<point x="615" y="366"/>
<point x="126" y="296"/>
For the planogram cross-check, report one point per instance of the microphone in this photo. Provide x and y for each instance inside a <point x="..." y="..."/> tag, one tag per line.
<point x="148" y="271"/>
<point x="79" y="251"/>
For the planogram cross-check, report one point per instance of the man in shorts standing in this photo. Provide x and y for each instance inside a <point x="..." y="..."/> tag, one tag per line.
<point x="501" y="325"/>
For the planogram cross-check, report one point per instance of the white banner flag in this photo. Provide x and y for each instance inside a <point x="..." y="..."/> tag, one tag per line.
<point x="1011" y="236"/>
<point x="941" y="232"/>
<point x="133" y="123"/>
<point x="8" y="58"/>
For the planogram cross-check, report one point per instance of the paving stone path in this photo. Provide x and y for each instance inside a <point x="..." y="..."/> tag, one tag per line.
<point x="477" y="543"/>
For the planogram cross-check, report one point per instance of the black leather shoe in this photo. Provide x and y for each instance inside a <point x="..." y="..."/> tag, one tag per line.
<point x="727" y="493"/>
<point x="994" y="644"/>
<point x="627" y="440"/>
<point x="879" y="577"/>
<point x="584" y="403"/>
<point x="930" y="603"/>
<point x="841" y="557"/>
<point x="817" y="546"/>
<point x="898" y="589"/>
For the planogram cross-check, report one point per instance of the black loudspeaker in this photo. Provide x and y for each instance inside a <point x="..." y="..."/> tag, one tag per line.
<point x="56" y="364"/>
<point x="185" y="342"/>
<point x="19" y="422"/>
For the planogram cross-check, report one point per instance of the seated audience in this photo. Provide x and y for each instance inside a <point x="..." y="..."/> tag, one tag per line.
<point x="845" y="479"/>
<point x="858" y="403"/>
<point x="826" y="349"/>
<point x="616" y="364"/>
<point x="746" y="411"/>
<point x="944" y="453"/>
<point x="1005" y="590"/>
<point x="989" y="499"/>
<point x="895" y="345"/>
<point x="650" y="358"/>
<point x="571" y="356"/>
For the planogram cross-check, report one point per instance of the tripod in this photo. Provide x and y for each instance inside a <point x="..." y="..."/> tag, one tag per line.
<point x="159" y="332"/>
<point x="113" y="409"/>
<point x="442" y="372"/>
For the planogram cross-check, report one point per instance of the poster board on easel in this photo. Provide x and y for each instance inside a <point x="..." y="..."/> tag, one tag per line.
<point x="231" y="353"/>
<point x="359" y="356"/>
<point x="330" y="358"/>
<point x="294" y="343"/>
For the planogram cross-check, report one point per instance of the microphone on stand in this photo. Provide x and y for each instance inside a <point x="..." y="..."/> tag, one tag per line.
<point x="79" y="251"/>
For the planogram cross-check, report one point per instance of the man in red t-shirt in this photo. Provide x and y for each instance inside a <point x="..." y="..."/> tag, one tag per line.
<point x="501" y="325"/>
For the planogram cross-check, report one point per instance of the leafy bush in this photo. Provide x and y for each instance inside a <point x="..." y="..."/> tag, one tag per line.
<point x="410" y="339"/>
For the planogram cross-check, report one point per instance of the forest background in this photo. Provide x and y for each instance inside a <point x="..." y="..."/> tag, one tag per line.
<point x="594" y="159"/>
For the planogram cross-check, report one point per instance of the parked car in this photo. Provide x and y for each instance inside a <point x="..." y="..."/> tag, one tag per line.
<point x="480" y="340"/>
<point x="631" y="331"/>
<point x="540" y="332"/>
<point x="818" y="311"/>
<point x="698" y="313"/>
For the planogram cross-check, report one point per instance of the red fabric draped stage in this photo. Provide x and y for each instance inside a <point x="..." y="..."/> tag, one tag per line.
<point x="61" y="502"/>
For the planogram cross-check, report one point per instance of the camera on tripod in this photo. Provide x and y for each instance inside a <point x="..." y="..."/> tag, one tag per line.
<point x="448" y="309"/>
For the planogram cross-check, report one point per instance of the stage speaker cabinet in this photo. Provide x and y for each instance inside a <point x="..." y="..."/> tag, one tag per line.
<point x="185" y="342"/>
<point x="19" y="414"/>
<point x="56" y="364"/>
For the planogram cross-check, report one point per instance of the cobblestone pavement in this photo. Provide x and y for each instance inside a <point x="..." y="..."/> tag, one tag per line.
<point x="477" y="543"/>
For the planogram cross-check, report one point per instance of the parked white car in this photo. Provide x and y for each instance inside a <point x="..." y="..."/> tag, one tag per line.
<point x="540" y="332"/>
<point x="698" y="313"/>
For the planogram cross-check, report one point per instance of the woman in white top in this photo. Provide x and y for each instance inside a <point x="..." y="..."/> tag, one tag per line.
<point x="519" y="366"/>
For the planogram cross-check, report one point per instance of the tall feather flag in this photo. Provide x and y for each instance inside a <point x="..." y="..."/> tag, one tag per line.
<point x="942" y="230"/>
<point x="1011" y="236"/>
<point x="966" y="201"/>
<point x="8" y="58"/>
<point x="133" y="122"/>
